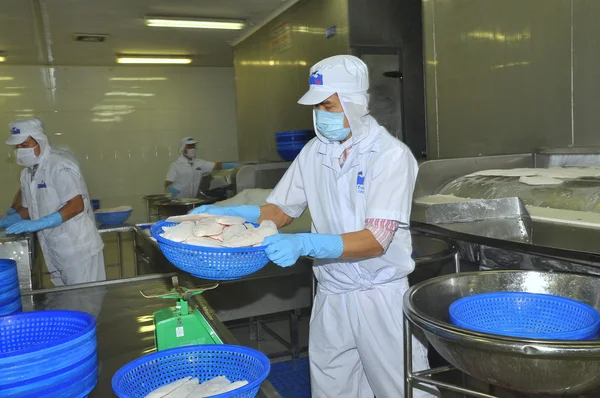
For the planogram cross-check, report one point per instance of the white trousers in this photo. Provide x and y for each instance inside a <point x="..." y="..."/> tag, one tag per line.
<point x="356" y="346"/>
<point x="84" y="271"/>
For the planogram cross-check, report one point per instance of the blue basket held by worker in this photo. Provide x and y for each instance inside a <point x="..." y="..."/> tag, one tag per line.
<point x="526" y="315"/>
<point x="10" y="293"/>
<point x="48" y="354"/>
<point x="205" y="362"/>
<point x="210" y="262"/>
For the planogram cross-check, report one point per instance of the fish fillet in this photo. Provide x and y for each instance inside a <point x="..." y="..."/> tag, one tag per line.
<point x="189" y="217"/>
<point x="164" y="390"/>
<point x="207" y="227"/>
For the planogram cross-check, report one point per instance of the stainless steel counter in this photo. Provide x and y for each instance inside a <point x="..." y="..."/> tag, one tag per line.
<point x="124" y="320"/>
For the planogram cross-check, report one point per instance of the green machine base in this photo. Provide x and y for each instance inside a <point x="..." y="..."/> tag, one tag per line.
<point x="179" y="326"/>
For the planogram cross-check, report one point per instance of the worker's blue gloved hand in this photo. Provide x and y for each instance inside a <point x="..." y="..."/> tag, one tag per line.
<point x="9" y="220"/>
<point x="11" y="211"/>
<point x="285" y="249"/>
<point x="226" y="166"/>
<point x="51" y="221"/>
<point x="249" y="213"/>
<point x="174" y="191"/>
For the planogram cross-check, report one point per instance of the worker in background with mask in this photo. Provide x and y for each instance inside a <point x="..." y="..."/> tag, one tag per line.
<point x="357" y="181"/>
<point x="184" y="175"/>
<point x="56" y="205"/>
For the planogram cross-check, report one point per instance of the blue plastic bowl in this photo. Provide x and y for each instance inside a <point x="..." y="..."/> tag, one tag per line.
<point x="148" y="373"/>
<point x="214" y="263"/>
<point x="10" y="292"/>
<point x="47" y="351"/>
<point x="526" y="315"/>
<point x="113" y="218"/>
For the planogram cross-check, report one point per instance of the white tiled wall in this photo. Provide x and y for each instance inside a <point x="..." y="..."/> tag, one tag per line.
<point x="122" y="123"/>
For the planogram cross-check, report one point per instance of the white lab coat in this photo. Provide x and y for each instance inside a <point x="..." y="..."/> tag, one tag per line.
<point x="186" y="176"/>
<point x="73" y="250"/>
<point x="356" y="346"/>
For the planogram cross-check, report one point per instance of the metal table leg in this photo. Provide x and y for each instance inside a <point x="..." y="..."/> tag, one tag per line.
<point x="120" y="255"/>
<point x="135" y="259"/>
<point x="425" y="377"/>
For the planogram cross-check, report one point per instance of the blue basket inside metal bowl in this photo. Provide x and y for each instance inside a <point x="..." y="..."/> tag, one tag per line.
<point x="213" y="263"/>
<point x="48" y="351"/>
<point x="205" y="362"/>
<point x="526" y="315"/>
<point x="113" y="218"/>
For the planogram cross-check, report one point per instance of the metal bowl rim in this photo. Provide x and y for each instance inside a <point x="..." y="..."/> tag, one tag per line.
<point x="415" y="316"/>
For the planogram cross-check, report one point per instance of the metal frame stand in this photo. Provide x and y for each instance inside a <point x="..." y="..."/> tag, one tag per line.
<point x="425" y="377"/>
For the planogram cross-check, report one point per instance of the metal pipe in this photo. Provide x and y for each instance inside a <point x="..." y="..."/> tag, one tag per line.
<point x="456" y="263"/>
<point x="408" y="392"/>
<point x="450" y="387"/>
<point x="119" y="255"/>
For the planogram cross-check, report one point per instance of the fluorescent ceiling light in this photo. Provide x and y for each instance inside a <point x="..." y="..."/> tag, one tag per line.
<point x="194" y="23"/>
<point x="154" y="60"/>
<point x="2" y="58"/>
<point x="7" y="78"/>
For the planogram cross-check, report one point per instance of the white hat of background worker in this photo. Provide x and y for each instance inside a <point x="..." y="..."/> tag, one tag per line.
<point x="21" y="129"/>
<point x="186" y="141"/>
<point x="340" y="74"/>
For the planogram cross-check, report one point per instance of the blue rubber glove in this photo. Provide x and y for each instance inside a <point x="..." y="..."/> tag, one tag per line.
<point x="285" y="249"/>
<point x="11" y="211"/>
<point x="51" y="221"/>
<point x="226" y="166"/>
<point x="174" y="191"/>
<point x="249" y="213"/>
<point x="9" y="220"/>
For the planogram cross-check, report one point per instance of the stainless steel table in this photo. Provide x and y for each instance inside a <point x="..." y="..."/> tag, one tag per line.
<point x="124" y="320"/>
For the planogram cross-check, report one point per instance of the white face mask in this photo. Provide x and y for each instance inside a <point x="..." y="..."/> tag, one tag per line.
<point x="190" y="153"/>
<point x="26" y="156"/>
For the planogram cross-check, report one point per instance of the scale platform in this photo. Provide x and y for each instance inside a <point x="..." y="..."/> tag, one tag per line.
<point x="181" y="325"/>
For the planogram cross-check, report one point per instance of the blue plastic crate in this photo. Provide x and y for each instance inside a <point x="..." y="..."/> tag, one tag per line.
<point x="526" y="315"/>
<point x="210" y="262"/>
<point x="148" y="373"/>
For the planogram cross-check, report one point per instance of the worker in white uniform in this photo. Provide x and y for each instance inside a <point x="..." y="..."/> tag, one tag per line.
<point x="357" y="181"/>
<point x="56" y="205"/>
<point x="184" y="175"/>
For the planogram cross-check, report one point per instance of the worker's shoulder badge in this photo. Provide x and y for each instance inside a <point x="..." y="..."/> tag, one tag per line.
<point x="360" y="182"/>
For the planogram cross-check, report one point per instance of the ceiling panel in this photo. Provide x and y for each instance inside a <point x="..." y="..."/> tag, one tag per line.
<point x="41" y="31"/>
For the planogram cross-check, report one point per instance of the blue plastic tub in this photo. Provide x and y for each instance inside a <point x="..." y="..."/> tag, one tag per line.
<point x="113" y="218"/>
<point x="10" y="293"/>
<point x="148" y="373"/>
<point x="526" y="315"/>
<point x="47" y="351"/>
<point x="213" y="263"/>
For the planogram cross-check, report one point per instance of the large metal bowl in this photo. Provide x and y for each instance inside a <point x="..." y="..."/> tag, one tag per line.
<point x="529" y="366"/>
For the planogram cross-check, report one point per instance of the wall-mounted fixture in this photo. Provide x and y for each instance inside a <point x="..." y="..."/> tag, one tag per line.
<point x="138" y="59"/>
<point x="90" y="37"/>
<point x="195" y="23"/>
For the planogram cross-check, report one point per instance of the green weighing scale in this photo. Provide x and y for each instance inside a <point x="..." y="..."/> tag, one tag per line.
<point x="181" y="326"/>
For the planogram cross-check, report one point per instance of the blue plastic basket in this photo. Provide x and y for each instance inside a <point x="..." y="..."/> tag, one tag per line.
<point x="46" y="350"/>
<point x="113" y="218"/>
<point x="526" y="315"/>
<point x="148" y="373"/>
<point x="10" y="293"/>
<point x="210" y="262"/>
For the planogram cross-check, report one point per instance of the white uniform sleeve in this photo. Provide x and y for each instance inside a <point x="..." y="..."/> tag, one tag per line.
<point x="390" y="190"/>
<point x="172" y="173"/>
<point x="289" y="194"/>
<point x="206" y="166"/>
<point x="68" y="184"/>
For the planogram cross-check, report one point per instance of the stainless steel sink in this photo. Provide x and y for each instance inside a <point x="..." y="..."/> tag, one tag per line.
<point x="529" y="366"/>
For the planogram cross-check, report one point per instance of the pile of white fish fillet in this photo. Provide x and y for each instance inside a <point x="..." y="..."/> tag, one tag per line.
<point x="190" y="388"/>
<point x="207" y="230"/>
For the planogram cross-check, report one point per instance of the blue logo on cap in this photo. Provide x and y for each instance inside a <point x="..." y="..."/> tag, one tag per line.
<point x="316" y="79"/>
<point x="190" y="139"/>
<point x="15" y="131"/>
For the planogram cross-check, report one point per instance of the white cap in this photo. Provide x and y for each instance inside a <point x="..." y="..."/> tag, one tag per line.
<point x="21" y="129"/>
<point x="186" y="141"/>
<point x="343" y="74"/>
